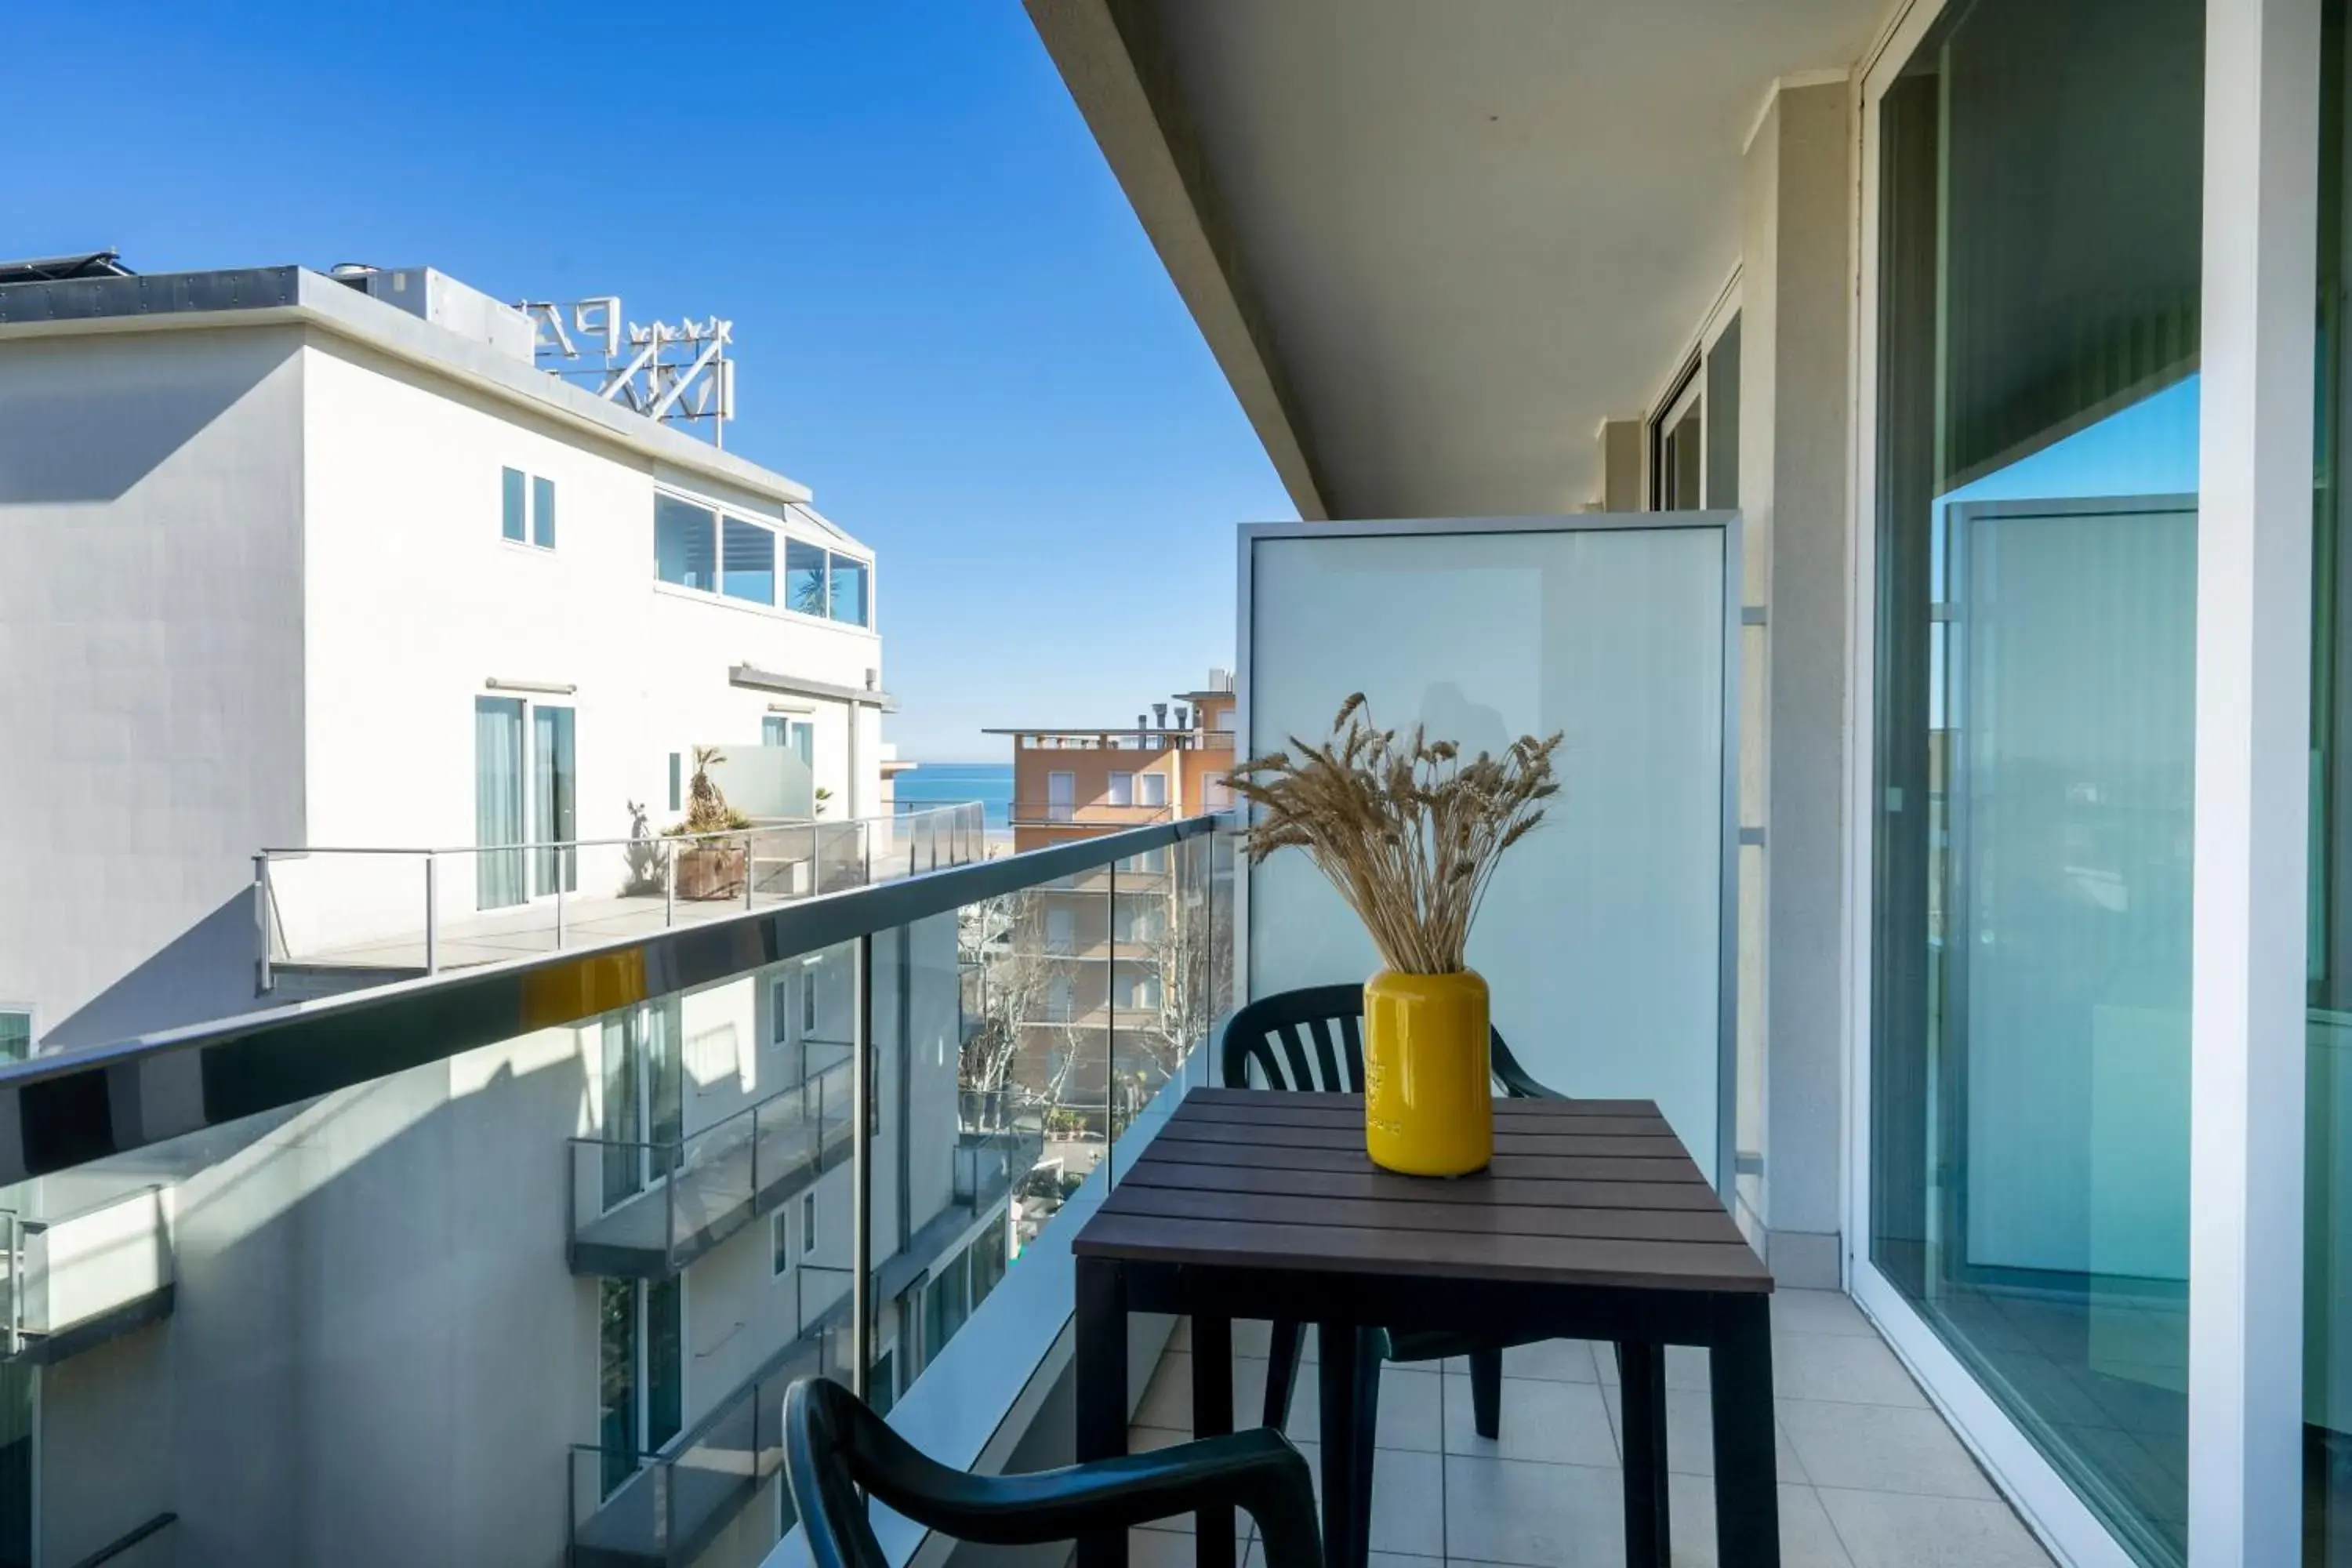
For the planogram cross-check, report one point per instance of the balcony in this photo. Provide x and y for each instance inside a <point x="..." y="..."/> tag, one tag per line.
<point x="684" y="1196"/>
<point x="1870" y="1475"/>
<point x="77" y="1280"/>
<point x="1098" y="814"/>
<point x="330" y="918"/>
<point x="963" y="1252"/>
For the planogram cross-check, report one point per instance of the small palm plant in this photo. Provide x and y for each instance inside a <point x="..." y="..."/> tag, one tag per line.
<point x="1407" y="831"/>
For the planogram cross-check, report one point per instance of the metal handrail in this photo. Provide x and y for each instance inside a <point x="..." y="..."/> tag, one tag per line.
<point x="125" y="1541"/>
<point x="706" y="1128"/>
<point x="776" y="824"/>
<point x="62" y="1111"/>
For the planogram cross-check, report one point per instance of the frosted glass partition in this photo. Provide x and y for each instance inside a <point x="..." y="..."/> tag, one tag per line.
<point x="1604" y="936"/>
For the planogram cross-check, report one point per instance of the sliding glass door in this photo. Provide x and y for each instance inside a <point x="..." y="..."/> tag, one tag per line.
<point x="498" y="800"/>
<point x="2038" y="266"/>
<point x="554" y="801"/>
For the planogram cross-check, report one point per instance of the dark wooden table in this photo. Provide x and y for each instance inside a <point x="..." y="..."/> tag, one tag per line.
<point x="1592" y="1222"/>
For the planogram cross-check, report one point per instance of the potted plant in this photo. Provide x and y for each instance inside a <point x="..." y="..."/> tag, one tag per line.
<point x="708" y="868"/>
<point x="1410" y="835"/>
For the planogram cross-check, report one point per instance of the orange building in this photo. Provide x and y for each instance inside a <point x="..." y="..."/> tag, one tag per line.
<point x="1100" y="986"/>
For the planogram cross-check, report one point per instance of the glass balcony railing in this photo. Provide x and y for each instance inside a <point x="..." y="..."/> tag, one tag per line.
<point x="648" y="1208"/>
<point x="329" y="918"/>
<point x="1102" y="815"/>
<point x="818" y="1134"/>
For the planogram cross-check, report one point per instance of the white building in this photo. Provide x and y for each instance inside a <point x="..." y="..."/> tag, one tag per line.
<point x="284" y="563"/>
<point x="288" y="560"/>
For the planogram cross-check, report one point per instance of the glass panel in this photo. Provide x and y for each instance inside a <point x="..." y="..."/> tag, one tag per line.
<point x="2328" y="1192"/>
<point x="554" y="801"/>
<point x="617" y="1334"/>
<point x="542" y="513"/>
<point x="498" y="800"/>
<point x="15" y="1036"/>
<point x="803" y="577"/>
<point x="510" y="498"/>
<point x="1723" y="419"/>
<point x="665" y="1354"/>
<point x="1615" y="636"/>
<point x="647" y="1351"/>
<point x="1683" y="459"/>
<point x="750" y="561"/>
<point x="686" y="543"/>
<point x="849" y="591"/>
<point x="2038" y="423"/>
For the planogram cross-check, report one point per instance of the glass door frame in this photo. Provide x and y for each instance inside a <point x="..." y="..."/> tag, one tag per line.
<point x="2259" y="183"/>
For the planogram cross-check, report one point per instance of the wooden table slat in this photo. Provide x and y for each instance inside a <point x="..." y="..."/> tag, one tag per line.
<point x="1532" y="1167"/>
<point x="1647" y="1125"/>
<point x="1660" y="1145"/>
<point x="1155" y="1171"/>
<point x="1428" y="1255"/>
<point x="1205" y="1097"/>
<point x="1486" y="1220"/>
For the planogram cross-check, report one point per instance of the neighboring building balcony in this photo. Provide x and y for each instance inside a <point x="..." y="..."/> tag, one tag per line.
<point x="329" y="920"/>
<point x="663" y="1508"/>
<point x="655" y="1510"/>
<point x="1146" y="740"/>
<point x="79" y="1280"/>
<point x="1101" y="815"/>
<point x="647" y="1208"/>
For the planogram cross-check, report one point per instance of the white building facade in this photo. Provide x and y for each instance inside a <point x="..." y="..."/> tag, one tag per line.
<point x="283" y="565"/>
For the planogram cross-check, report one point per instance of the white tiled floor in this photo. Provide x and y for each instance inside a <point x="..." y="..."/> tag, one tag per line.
<point x="1869" y="1476"/>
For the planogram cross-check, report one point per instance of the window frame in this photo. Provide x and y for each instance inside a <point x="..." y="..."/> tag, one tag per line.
<point x="808" y="1224"/>
<point x="32" y="1017"/>
<point x="784" y="542"/>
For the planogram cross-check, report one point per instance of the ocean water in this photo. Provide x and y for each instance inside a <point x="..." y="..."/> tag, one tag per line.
<point x="935" y="784"/>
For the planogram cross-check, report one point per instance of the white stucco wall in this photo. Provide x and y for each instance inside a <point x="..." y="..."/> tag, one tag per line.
<point x="419" y="602"/>
<point x="150" y="640"/>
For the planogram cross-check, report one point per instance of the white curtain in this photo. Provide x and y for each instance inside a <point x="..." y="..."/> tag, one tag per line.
<point x="497" y="799"/>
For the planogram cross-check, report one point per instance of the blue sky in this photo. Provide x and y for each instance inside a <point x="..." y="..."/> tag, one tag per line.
<point x="948" y="323"/>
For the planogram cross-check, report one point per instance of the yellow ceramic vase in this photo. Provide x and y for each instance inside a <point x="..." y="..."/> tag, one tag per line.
<point x="1429" y="1109"/>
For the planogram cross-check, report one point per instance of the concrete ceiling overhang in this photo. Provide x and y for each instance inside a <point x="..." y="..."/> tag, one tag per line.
<point x="1434" y="245"/>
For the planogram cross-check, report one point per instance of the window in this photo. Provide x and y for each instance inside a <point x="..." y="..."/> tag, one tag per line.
<point x="686" y="543"/>
<point x="1061" y="931"/>
<point x="1216" y="793"/>
<point x="15" y="1034"/>
<point x="1139" y="991"/>
<point x="779" y="1243"/>
<point x="511" y="522"/>
<point x="677" y="781"/>
<point x="804" y="577"/>
<point x="498" y="800"/>
<point x="796" y="735"/>
<point x="750" y="563"/>
<point x="555" y="789"/>
<point x="848" y="590"/>
<point x="542" y="513"/>
<point x="1152" y="789"/>
<point x="640" y="1375"/>
<point x="2039" y="273"/>
<point x="808" y="1224"/>
<point x="1061" y="796"/>
<point x="1122" y="790"/>
<point x="1678" y="458"/>
<point x="1061" y="1000"/>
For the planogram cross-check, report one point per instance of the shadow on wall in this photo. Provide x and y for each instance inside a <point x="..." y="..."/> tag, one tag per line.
<point x="87" y="422"/>
<point x="207" y="971"/>
<point x="378" y="1354"/>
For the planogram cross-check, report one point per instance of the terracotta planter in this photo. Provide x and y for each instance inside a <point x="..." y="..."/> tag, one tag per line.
<point x="714" y="872"/>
